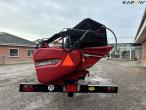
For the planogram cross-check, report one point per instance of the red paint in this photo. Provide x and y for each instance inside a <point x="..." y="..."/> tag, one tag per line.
<point x="77" y="60"/>
<point x="71" y="88"/>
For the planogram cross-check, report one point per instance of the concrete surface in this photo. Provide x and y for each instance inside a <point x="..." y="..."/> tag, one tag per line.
<point x="130" y="79"/>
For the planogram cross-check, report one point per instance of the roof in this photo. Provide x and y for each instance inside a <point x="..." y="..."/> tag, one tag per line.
<point x="140" y="26"/>
<point x="9" y="39"/>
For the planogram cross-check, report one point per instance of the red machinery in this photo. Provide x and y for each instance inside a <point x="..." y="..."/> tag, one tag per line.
<point x="60" y="67"/>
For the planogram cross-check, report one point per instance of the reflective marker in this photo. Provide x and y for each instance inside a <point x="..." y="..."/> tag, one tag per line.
<point x="68" y="61"/>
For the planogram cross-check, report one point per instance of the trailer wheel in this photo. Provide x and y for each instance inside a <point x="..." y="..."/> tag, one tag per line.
<point x="70" y="94"/>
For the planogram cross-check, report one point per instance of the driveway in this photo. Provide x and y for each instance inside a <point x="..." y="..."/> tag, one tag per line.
<point x="130" y="79"/>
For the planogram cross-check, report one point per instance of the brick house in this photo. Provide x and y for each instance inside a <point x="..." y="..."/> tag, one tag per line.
<point x="14" y="49"/>
<point x="141" y="38"/>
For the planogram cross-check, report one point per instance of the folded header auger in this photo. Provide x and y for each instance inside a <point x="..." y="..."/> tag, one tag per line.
<point x="60" y="67"/>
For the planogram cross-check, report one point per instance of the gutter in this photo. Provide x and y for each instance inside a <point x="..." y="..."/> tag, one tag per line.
<point x="20" y="45"/>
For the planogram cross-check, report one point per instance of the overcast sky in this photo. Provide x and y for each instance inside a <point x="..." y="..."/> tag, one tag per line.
<point x="33" y="19"/>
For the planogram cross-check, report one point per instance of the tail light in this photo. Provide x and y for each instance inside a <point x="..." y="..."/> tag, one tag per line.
<point x="111" y="89"/>
<point x="27" y="88"/>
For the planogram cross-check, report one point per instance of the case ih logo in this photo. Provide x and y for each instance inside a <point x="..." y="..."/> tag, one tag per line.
<point x="134" y="2"/>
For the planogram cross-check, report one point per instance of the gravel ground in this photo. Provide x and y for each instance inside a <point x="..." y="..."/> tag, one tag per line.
<point x="130" y="79"/>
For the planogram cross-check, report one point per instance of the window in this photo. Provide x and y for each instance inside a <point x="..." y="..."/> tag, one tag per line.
<point x="30" y="52"/>
<point x="14" y="53"/>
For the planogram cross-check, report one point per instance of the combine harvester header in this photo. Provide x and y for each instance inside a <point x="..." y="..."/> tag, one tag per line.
<point x="59" y="68"/>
